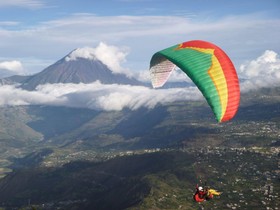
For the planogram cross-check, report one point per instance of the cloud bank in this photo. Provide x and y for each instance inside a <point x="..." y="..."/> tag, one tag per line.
<point x="96" y="96"/>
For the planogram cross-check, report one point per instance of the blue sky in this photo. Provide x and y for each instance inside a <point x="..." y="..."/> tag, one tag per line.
<point x="36" y="33"/>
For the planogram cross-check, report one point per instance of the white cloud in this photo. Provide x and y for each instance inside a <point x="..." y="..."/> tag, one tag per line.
<point x="12" y="66"/>
<point x="261" y="72"/>
<point x="10" y="95"/>
<point x="31" y="4"/>
<point x="96" y="96"/>
<point x="86" y="52"/>
<point x="111" y="56"/>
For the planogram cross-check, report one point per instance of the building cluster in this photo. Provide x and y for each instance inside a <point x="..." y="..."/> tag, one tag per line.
<point x="251" y="176"/>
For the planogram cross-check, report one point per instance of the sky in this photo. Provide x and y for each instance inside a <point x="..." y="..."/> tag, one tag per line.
<point x="36" y="33"/>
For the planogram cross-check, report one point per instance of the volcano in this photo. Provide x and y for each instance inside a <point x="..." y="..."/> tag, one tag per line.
<point x="80" y="69"/>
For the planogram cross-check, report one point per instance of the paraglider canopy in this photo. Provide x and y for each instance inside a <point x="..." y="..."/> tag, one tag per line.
<point x="209" y="68"/>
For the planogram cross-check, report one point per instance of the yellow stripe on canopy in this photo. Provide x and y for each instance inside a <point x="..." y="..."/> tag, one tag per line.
<point x="217" y="75"/>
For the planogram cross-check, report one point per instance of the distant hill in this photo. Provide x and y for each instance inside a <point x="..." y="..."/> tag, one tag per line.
<point x="16" y="79"/>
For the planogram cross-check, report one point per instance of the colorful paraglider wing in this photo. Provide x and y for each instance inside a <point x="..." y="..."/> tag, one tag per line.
<point x="209" y="68"/>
